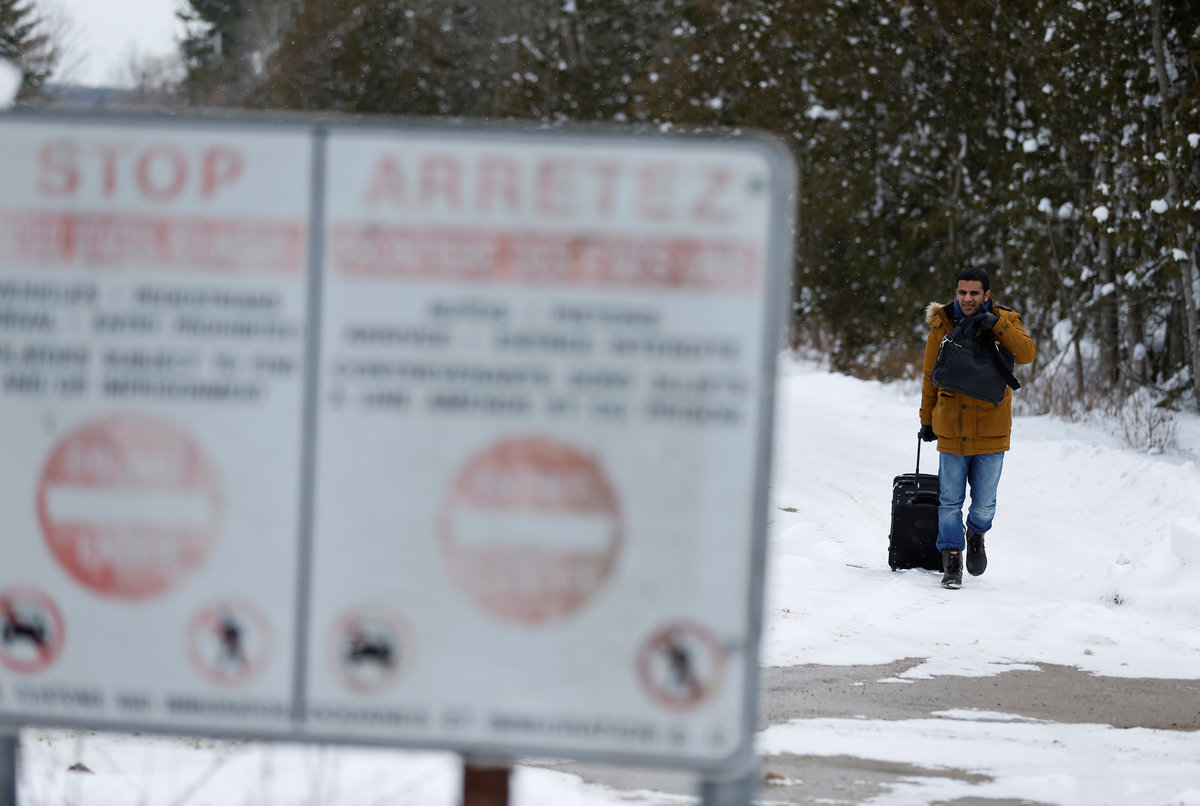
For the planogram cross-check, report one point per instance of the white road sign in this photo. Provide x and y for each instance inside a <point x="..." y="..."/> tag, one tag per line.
<point x="153" y="303"/>
<point x="483" y="468"/>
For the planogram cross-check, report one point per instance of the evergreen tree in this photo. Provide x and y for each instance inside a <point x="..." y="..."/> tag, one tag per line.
<point x="208" y="48"/>
<point x="370" y="56"/>
<point x="25" y="41"/>
<point x="226" y="45"/>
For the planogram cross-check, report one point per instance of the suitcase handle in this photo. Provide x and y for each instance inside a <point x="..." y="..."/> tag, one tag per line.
<point x="918" y="453"/>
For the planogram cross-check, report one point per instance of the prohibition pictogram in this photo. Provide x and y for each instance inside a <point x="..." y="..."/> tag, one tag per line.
<point x="371" y="645"/>
<point x="229" y="642"/>
<point x="31" y="630"/>
<point x="531" y="529"/>
<point x="129" y="504"/>
<point x="681" y="665"/>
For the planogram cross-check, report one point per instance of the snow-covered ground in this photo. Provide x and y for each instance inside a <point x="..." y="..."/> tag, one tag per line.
<point x="1094" y="562"/>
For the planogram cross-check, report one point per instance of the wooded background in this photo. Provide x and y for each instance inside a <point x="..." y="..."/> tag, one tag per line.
<point x="1054" y="142"/>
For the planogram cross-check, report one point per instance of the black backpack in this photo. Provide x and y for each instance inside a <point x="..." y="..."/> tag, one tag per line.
<point x="974" y="366"/>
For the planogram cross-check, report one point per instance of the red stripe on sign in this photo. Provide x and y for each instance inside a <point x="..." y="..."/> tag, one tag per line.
<point x="472" y="256"/>
<point x="131" y="241"/>
<point x="531" y="529"/>
<point x="129" y="505"/>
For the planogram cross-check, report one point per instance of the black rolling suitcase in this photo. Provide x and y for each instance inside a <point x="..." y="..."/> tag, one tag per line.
<point x="913" y="539"/>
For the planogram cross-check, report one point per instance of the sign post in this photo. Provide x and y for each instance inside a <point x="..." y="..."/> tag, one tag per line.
<point x="433" y="437"/>
<point x="8" y="766"/>
<point x="735" y="789"/>
<point x="486" y="782"/>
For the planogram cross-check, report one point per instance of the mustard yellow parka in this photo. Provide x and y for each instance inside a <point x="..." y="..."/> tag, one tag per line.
<point x="964" y="425"/>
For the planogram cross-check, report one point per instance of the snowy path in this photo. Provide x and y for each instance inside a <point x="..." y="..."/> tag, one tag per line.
<point x="1094" y="562"/>
<point x="1079" y="526"/>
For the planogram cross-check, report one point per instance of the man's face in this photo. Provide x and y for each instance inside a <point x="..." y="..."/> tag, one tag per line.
<point x="971" y="296"/>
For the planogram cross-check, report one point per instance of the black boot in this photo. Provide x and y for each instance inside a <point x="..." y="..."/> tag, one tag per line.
<point x="976" y="556"/>
<point x="952" y="566"/>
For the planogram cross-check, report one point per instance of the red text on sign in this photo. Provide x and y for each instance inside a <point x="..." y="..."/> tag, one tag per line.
<point x="483" y="256"/>
<point x="553" y="188"/>
<point x="159" y="172"/>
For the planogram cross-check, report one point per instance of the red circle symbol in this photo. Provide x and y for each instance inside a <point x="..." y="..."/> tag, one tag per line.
<point x="129" y="505"/>
<point x="229" y="642"/>
<point x="531" y="529"/>
<point x="370" y="648"/>
<point x="31" y="630"/>
<point x="681" y="665"/>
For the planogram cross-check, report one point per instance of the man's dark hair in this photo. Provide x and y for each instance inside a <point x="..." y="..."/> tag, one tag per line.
<point x="975" y="275"/>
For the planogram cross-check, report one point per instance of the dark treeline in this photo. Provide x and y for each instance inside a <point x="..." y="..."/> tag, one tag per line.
<point x="1054" y="141"/>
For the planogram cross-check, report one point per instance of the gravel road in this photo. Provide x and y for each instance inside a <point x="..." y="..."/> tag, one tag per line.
<point x="1051" y="693"/>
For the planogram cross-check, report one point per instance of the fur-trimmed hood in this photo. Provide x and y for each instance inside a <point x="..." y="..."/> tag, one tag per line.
<point x="932" y="310"/>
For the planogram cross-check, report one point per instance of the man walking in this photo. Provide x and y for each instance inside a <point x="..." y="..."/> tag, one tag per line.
<point x="972" y="434"/>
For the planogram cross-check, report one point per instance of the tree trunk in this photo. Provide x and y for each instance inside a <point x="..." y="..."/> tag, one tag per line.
<point x="1109" y="336"/>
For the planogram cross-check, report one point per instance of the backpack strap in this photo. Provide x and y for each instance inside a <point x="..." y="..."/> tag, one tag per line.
<point x="1003" y="367"/>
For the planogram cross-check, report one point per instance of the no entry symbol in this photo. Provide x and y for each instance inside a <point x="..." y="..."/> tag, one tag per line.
<point x="681" y="665"/>
<point x="370" y="647"/>
<point x="229" y="642"/>
<point x="31" y="630"/>
<point x="128" y="504"/>
<point x="531" y="529"/>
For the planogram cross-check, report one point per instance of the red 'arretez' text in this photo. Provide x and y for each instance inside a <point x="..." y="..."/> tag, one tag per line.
<point x="559" y="188"/>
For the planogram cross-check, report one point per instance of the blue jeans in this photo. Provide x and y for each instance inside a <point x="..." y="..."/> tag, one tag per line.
<point x="982" y="472"/>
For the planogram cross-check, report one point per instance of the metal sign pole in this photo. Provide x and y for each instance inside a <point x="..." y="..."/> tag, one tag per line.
<point x="732" y="791"/>
<point x="8" y="766"/>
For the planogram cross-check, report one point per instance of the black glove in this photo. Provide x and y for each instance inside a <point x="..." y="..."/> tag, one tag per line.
<point x="985" y="320"/>
<point x="926" y="434"/>
<point x="980" y="322"/>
